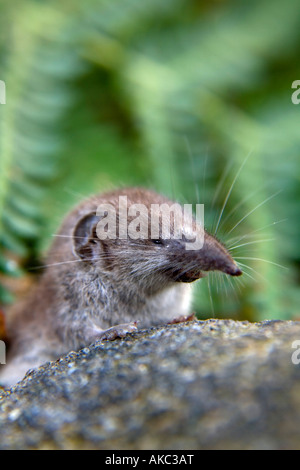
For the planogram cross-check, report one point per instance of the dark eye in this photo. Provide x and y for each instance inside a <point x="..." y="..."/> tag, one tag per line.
<point x="157" y="241"/>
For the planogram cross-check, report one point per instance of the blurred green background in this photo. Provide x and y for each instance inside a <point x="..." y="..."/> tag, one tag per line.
<point x="171" y="95"/>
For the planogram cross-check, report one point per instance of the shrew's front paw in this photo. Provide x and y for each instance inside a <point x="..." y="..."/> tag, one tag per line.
<point x="182" y="319"/>
<point x="118" y="331"/>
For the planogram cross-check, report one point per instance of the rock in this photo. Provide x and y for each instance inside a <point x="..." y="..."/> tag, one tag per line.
<point x="217" y="384"/>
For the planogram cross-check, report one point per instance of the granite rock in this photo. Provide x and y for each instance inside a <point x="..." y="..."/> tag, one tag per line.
<point x="217" y="384"/>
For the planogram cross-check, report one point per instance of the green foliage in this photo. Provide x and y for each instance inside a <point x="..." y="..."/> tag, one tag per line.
<point x="173" y="95"/>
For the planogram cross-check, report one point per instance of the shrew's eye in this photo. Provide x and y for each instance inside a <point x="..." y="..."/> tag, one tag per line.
<point x="157" y="241"/>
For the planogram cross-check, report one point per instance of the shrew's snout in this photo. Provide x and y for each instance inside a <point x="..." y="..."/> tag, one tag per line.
<point x="213" y="256"/>
<point x="234" y="270"/>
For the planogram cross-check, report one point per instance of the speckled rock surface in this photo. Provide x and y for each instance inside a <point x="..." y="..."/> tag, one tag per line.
<point x="217" y="384"/>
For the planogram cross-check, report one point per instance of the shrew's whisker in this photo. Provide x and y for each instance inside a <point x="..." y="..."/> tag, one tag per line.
<point x="238" y="238"/>
<point x="251" y="243"/>
<point x="251" y="212"/>
<point x="261" y="259"/>
<point x="230" y="191"/>
<point x="257" y="273"/>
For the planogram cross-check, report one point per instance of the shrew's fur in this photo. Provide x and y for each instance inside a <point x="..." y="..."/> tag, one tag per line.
<point x="96" y="288"/>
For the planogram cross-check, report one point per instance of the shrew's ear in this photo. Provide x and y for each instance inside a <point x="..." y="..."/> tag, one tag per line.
<point x="85" y="236"/>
